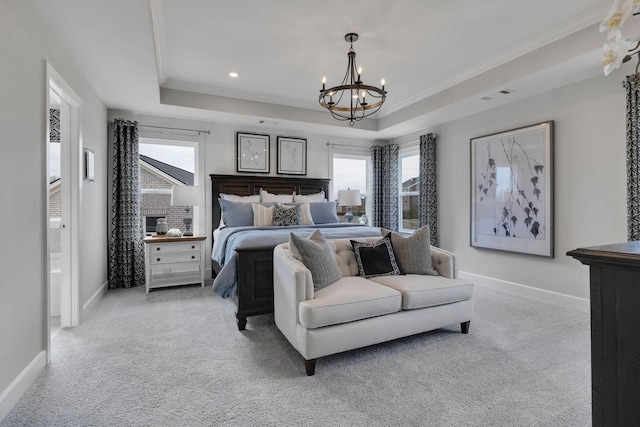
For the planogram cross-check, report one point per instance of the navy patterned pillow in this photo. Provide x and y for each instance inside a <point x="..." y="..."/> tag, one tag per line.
<point x="287" y="215"/>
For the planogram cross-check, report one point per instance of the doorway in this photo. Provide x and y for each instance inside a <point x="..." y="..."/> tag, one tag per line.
<point x="63" y="201"/>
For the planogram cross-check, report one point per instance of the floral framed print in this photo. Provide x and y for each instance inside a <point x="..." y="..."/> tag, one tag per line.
<point x="292" y="156"/>
<point x="512" y="190"/>
<point x="252" y="151"/>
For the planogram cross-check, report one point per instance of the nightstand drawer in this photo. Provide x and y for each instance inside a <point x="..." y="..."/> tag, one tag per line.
<point x="158" y="248"/>
<point x="175" y="271"/>
<point x="170" y="258"/>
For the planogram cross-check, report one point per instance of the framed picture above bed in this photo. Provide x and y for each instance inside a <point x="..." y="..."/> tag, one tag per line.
<point x="252" y="152"/>
<point x="512" y="190"/>
<point x="292" y="156"/>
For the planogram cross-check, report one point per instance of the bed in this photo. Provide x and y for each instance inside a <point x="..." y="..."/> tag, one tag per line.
<point x="242" y="257"/>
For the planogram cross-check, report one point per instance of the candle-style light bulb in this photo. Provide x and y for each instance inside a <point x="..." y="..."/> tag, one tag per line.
<point x="324" y="80"/>
<point x="382" y="85"/>
<point x="359" y="72"/>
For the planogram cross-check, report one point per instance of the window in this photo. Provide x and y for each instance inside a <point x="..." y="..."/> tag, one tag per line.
<point x="351" y="172"/>
<point x="164" y="164"/>
<point x="409" y="189"/>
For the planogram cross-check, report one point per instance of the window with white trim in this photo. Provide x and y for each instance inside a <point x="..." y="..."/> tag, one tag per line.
<point x="409" y="187"/>
<point x="351" y="171"/>
<point x="164" y="164"/>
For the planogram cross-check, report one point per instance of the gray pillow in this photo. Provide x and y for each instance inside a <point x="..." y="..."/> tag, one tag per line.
<point x="413" y="252"/>
<point x="317" y="256"/>
<point x="323" y="212"/>
<point x="236" y="214"/>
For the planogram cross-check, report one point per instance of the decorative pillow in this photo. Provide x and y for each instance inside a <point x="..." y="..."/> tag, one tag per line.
<point x="376" y="259"/>
<point x="316" y="197"/>
<point x="235" y="198"/>
<point x="236" y="214"/>
<point x="262" y="215"/>
<point x="413" y="252"/>
<point x="286" y="215"/>
<point x="265" y="196"/>
<point x="323" y="212"/>
<point x="316" y="254"/>
<point x="306" y="213"/>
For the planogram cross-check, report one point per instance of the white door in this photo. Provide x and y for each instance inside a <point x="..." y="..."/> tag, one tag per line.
<point x="63" y="230"/>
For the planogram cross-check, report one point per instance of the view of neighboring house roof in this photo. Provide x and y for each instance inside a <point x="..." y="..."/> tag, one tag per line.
<point x="409" y="185"/>
<point x="181" y="175"/>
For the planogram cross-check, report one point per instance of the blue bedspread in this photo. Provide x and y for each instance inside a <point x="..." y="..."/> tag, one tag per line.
<point x="230" y="238"/>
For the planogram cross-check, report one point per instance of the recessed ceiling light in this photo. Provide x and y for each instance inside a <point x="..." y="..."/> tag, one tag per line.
<point x="233" y="74"/>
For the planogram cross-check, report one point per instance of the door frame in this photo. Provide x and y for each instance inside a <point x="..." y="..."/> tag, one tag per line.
<point x="72" y="153"/>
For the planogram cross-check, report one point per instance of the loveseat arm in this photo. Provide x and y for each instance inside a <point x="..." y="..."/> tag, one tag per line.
<point x="444" y="262"/>
<point x="292" y="284"/>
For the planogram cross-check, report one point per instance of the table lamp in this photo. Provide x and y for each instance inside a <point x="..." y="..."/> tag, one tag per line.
<point x="349" y="198"/>
<point x="188" y="197"/>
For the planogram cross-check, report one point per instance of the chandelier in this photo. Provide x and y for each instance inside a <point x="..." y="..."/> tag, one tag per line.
<point x="349" y="100"/>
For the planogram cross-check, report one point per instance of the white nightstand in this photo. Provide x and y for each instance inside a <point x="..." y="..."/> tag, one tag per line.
<point x="172" y="261"/>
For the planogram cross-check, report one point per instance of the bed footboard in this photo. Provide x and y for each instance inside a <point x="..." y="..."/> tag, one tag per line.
<point x="255" y="284"/>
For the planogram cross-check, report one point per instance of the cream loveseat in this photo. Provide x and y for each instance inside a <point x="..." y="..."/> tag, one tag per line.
<point x="354" y="311"/>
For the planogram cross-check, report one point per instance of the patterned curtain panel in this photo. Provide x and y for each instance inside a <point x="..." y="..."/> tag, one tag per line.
<point x="428" y="197"/>
<point x="126" y="247"/>
<point x="54" y="125"/>
<point x="633" y="163"/>
<point x="385" y="187"/>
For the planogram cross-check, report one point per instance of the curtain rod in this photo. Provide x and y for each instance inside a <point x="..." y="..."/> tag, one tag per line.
<point x="166" y="127"/>
<point x="331" y="144"/>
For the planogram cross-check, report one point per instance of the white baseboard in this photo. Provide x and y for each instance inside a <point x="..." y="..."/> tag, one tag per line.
<point x="90" y="305"/>
<point x="16" y="389"/>
<point x="564" y="300"/>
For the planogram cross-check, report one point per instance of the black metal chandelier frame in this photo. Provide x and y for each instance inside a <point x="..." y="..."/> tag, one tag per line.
<point x="348" y="100"/>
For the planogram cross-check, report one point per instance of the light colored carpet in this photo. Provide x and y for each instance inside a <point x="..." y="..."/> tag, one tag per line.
<point x="175" y="358"/>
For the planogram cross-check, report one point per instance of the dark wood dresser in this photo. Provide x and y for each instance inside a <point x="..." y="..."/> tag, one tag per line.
<point x="615" y="332"/>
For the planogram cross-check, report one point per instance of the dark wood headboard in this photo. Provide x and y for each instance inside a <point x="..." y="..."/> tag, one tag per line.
<point x="247" y="185"/>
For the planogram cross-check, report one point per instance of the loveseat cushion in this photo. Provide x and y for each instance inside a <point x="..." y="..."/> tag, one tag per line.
<point x="347" y="300"/>
<point x="419" y="291"/>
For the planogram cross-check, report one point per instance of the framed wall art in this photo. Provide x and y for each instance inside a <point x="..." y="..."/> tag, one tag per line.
<point x="512" y="190"/>
<point x="252" y="151"/>
<point x="292" y="156"/>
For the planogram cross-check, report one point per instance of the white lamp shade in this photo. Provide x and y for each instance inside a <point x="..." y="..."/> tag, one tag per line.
<point x="349" y="198"/>
<point x="185" y="196"/>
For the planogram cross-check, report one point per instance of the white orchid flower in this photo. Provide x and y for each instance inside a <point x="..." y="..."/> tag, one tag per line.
<point x="618" y="14"/>
<point x="615" y="50"/>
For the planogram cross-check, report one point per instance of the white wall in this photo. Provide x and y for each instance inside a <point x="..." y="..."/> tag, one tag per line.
<point x="590" y="187"/>
<point x="25" y="47"/>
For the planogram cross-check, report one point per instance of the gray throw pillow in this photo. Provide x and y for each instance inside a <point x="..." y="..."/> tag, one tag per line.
<point x="316" y="254"/>
<point x="413" y="252"/>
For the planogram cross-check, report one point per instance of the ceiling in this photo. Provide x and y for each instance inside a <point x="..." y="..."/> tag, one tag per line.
<point x="439" y="57"/>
